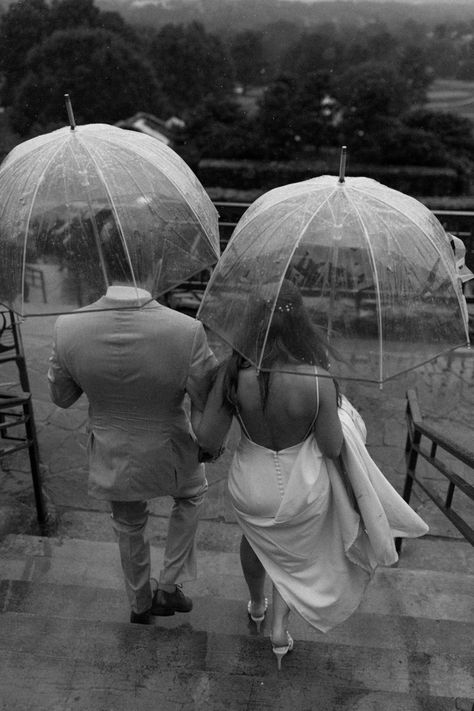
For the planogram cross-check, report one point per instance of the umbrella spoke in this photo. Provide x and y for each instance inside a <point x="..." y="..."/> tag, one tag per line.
<point x="95" y="200"/>
<point x="373" y="266"/>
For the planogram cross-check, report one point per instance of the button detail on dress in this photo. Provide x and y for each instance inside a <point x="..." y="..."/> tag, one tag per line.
<point x="281" y="486"/>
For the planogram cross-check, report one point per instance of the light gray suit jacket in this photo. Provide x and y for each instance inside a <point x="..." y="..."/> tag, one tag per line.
<point x="135" y="367"/>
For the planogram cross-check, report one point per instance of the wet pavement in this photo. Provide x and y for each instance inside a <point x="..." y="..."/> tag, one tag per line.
<point x="66" y="642"/>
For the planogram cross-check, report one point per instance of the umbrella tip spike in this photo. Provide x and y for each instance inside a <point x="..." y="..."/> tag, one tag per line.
<point x="342" y="164"/>
<point x="70" y="113"/>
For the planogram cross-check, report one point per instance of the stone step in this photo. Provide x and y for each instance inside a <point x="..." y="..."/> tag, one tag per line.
<point x="60" y="685"/>
<point x="430" y="552"/>
<point x="217" y="614"/>
<point x="66" y="644"/>
<point x="393" y="591"/>
<point x="63" y="657"/>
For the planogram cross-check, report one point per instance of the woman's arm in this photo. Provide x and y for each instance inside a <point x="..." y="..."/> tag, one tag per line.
<point x="327" y="429"/>
<point x="63" y="389"/>
<point x="212" y="425"/>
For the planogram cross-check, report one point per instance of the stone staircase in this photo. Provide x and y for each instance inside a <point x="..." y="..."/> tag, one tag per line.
<point x="66" y="644"/>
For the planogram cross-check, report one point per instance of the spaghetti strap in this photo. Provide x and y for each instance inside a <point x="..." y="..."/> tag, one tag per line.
<point x="316" y="413"/>
<point x="313" y="421"/>
<point x="241" y="422"/>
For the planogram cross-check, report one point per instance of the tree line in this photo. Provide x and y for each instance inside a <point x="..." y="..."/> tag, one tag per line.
<point x="317" y="89"/>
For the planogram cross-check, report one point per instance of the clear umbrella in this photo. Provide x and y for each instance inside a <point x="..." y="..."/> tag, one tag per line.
<point x="65" y="194"/>
<point x="374" y="266"/>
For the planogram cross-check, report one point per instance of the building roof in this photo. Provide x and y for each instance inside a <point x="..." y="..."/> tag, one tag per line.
<point x="164" y="131"/>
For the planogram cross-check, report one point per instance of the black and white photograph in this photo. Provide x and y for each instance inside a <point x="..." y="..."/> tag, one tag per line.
<point x="236" y="371"/>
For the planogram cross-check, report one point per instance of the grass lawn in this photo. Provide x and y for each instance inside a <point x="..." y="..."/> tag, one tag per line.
<point x="449" y="95"/>
<point x="453" y="96"/>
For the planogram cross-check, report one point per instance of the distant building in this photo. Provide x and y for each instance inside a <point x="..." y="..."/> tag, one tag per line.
<point x="168" y="132"/>
<point x="331" y="110"/>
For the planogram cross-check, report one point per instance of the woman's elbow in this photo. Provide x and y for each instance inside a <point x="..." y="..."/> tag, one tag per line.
<point x="332" y="448"/>
<point x="209" y="449"/>
<point x="207" y="444"/>
<point x="211" y="437"/>
<point x="332" y="452"/>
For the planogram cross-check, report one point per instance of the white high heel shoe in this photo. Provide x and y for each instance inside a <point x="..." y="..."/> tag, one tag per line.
<point x="280" y="652"/>
<point x="257" y="620"/>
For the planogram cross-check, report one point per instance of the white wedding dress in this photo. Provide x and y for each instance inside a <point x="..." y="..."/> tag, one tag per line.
<point x="294" y="510"/>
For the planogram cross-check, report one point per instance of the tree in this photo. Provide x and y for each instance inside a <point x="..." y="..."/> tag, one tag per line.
<point x="314" y="52"/>
<point x="371" y="95"/>
<point x="247" y="54"/>
<point x="414" y="67"/>
<point x="443" y="52"/>
<point x="276" y="119"/>
<point x="107" y="81"/>
<point x="218" y="128"/>
<point x="370" y="44"/>
<point x="67" y="14"/>
<point x="22" y="26"/>
<point x="276" y="38"/>
<point x="454" y="132"/>
<point x="311" y="116"/>
<point x="466" y="62"/>
<point x="190" y="64"/>
<point x="381" y="43"/>
<point x="293" y="116"/>
<point x="405" y="145"/>
<point x="413" y="33"/>
<point x="27" y="23"/>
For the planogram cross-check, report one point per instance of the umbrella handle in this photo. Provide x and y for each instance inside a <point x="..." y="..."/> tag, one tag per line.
<point x="70" y="113"/>
<point x="342" y="164"/>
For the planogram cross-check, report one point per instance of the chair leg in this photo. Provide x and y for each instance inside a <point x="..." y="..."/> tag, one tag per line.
<point x="33" y="452"/>
<point x="29" y="440"/>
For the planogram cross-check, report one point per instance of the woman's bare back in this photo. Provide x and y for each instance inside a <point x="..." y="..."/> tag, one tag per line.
<point x="294" y="400"/>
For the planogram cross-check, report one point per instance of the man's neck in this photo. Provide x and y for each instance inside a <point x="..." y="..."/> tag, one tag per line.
<point x="127" y="291"/>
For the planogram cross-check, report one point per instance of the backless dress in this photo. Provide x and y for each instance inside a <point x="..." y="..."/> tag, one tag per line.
<point x="284" y="503"/>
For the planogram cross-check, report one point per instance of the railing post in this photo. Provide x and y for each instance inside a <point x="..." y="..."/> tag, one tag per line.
<point x="411" y="460"/>
<point x="33" y="452"/>
<point x="411" y="450"/>
<point x="411" y="457"/>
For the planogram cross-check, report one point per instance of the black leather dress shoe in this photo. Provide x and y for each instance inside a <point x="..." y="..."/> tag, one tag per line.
<point x="141" y="618"/>
<point x="165" y="603"/>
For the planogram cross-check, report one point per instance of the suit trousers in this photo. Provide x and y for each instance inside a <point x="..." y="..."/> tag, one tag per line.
<point x="129" y="519"/>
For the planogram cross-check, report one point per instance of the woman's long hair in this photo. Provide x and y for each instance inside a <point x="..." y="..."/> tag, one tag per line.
<point x="280" y="333"/>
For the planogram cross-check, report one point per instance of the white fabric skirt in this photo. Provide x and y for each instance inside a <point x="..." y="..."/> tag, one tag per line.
<point x="285" y="506"/>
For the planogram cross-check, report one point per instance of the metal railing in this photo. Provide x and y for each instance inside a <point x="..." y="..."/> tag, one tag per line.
<point x="34" y="278"/>
<point x="417" y="447"/>
<point x="457" y="222"/>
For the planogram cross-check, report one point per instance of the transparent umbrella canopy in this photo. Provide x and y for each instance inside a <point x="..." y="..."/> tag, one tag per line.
<point x="374" y="267"/>
<point x="66" y="194"/>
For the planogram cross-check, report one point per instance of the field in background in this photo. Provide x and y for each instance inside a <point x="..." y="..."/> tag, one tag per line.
<point x="453" y="96"/>
<point x="450" y="95"/>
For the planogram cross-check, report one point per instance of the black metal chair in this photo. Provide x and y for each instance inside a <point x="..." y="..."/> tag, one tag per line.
<point x="17" y="423"/>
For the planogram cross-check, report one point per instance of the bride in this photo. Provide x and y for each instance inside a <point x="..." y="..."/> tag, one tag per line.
<point x="286" y="482"/>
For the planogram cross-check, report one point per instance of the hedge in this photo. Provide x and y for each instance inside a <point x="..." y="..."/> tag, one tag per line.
<point x="261" y="176"/>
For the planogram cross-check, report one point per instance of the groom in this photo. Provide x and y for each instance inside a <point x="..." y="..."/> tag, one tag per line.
<point x="137" y="361"/>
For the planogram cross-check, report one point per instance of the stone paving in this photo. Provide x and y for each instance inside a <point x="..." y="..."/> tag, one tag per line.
<point x="87" y="658"/>
<point x="445" y="390"/>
